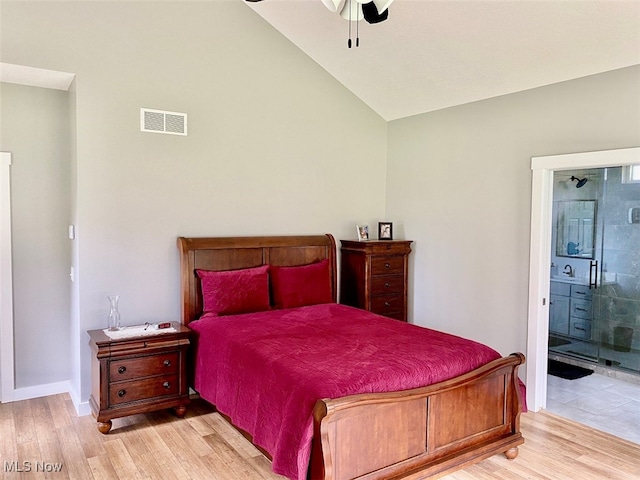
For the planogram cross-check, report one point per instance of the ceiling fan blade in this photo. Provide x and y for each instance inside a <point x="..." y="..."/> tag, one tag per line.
<point x="372" y="15"/>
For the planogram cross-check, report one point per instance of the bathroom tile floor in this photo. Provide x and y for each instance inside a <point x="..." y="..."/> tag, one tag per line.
<point x="601" y="402"/>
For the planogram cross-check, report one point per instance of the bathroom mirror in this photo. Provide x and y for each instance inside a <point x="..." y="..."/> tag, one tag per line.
<point x="575" y="228"/>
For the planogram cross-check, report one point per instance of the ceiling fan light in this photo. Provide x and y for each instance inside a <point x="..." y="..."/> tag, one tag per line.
<point x="382" y="5"/>
<point x="356" y="11"/>
<point x="334" y="5"/>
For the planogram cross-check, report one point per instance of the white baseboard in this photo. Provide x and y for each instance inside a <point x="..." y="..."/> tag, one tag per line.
<point x="37" y="391"/>
<point x="44" y="390"/>
<point x="82" y="408"/>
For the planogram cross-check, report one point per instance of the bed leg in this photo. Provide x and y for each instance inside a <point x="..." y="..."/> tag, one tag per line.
<point x="512" y="453"/>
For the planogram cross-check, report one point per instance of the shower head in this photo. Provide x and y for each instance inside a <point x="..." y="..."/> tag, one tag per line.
<point x="581" y="181"/>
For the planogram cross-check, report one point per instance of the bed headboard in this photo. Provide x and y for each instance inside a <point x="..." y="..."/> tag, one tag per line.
<point x="233" y="253"/>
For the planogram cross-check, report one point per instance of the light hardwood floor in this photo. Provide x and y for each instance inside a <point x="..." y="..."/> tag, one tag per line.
<point x="42" y="432"/>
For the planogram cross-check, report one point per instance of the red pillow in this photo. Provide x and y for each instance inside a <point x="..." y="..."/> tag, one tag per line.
<point x="235" y="291"/>
<point x="299" y="286"/>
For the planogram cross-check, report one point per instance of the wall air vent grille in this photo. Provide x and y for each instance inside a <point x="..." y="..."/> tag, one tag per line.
<point x="159" y="121"/>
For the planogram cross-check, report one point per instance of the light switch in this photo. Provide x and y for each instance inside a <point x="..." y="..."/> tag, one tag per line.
<point x="72" y="232"/>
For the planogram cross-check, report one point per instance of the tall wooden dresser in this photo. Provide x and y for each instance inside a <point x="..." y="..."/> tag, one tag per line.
<point x="374" y="276"/>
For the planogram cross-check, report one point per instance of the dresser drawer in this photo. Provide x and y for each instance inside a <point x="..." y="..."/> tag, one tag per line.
<point x="387" y="265"/>
<point x="387" y="304"/>
<point x="145" y="366"/>
<point x="385" y="284"/>
<point x="123" y="392"/>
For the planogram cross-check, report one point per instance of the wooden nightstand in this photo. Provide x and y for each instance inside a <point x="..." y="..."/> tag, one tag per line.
<point x="374" y="276"/>
<point x="138" y="374"/>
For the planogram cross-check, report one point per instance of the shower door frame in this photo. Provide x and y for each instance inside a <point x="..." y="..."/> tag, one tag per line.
<point x="540" y="254"/>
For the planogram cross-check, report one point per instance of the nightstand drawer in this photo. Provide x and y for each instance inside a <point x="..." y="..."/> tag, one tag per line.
<point x="150" y="344"/>
<point x="123" y="392"/>
<point x="146" y="366"/>
<point x="382" y="285"/>
<point x="387" y="265"/>
<point x="388" y="304"/>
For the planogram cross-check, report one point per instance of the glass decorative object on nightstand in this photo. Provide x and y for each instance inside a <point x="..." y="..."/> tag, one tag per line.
<point x="114" y="315"/>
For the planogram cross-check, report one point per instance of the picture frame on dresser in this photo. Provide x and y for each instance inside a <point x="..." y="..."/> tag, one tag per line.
<point x="363" y="232"/>
<point x="385" y="231"/>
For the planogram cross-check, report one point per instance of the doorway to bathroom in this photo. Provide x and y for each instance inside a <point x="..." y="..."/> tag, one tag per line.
<point x="544" y="169"/>
<point x="594" y="292"/>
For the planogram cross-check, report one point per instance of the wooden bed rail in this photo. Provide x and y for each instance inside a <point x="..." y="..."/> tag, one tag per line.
<point x="421" y="432"/>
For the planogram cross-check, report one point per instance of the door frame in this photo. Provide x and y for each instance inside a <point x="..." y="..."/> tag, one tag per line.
<point x="540" y="255"/>
<point x="7" y="372"/>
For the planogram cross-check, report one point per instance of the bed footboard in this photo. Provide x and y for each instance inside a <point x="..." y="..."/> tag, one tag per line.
<point x="421" y="432"/>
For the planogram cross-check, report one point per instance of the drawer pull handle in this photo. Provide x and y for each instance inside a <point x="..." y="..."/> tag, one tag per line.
<point x="122" y="393"/>
<point x="387" y="265"/>
<point x="387" y="284"/>
<point x="122" y="369"/>
<point x="581" y="309"/>
<point x="167" y="363"/>
<point x="387" y="304"/>
<point x="166" y="385"/>
<point x="581" y="293"/>
<point x="581" y="329"/>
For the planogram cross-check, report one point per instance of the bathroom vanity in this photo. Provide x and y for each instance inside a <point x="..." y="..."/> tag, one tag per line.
<point x="570" y="308"/>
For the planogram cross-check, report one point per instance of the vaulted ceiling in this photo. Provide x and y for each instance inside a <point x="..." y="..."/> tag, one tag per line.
<point x="433" y="54"/>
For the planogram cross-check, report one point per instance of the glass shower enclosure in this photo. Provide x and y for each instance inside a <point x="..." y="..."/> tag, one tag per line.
<point x="594" y="312"/>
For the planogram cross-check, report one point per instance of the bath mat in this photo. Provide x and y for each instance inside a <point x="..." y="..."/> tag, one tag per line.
<point x="566" y="371"/>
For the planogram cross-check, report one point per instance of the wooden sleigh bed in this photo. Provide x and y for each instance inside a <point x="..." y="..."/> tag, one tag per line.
<point x="417" y="433"/>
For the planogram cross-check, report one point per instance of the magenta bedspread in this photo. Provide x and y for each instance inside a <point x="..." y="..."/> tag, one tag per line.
<point x="266" y="370"/>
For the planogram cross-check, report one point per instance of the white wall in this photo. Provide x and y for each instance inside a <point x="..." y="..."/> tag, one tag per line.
<point x="275" y="145"/>
<point x="35" y="129"/>
<point x="459" y="182"/>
